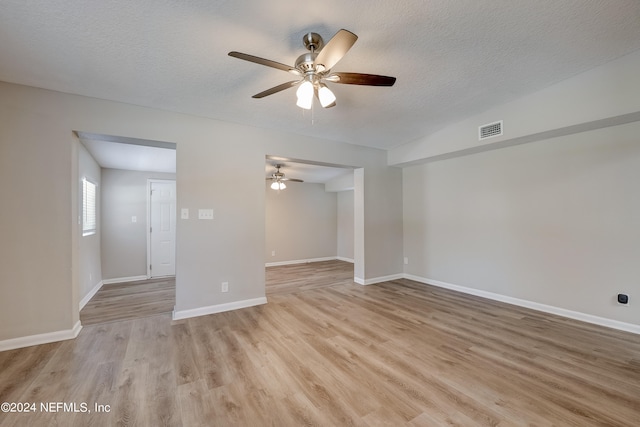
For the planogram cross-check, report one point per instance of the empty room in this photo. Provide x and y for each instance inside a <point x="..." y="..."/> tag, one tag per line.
<point x="420" y="213"/>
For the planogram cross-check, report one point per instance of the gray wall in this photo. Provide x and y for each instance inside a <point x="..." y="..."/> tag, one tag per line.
<point x="90" y="271"/>
<point x="555" y="222"/>
<point x="39" y="210"/>
<point x="549" y="217"/>
<point x="124" y="243"/>
<point x="301" y="223"/>
<point x="345" y="224"/>
<point x="39" y="271"/>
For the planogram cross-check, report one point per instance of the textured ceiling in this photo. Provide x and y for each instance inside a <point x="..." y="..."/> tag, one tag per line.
<point x="452" y="59"/>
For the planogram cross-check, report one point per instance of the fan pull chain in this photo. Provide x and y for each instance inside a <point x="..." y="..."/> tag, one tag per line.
<point x="312" y="110"/>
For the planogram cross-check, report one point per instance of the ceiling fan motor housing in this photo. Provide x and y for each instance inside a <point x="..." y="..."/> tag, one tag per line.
<point x="304" y="63"/>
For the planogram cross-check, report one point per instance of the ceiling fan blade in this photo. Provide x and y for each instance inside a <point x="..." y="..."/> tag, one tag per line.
<point x="335" y="49"/>
<point x="361" y="79"/>
<point x="262" y="61"/>
<point x="292" y="179"/>
<point x="276" y="89"/>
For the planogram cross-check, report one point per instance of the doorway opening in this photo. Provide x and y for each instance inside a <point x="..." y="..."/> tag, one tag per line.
<point x="130" y="261"/>
<point x="309" y="224"/>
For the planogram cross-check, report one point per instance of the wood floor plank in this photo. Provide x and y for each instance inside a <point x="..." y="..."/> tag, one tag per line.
<point x="196" y="406"/>
<point x="130" y="300"/>
<point x="21" y="367"/>
<point x="326" y="351"/>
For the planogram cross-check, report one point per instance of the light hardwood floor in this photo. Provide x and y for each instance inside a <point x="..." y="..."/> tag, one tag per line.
<point x="130" y="300"/>
<point x="396" y="353"/>
<point x="303" y="277"/>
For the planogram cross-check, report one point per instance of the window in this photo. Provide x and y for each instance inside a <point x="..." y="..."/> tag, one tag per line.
<point x="88" y="207"/>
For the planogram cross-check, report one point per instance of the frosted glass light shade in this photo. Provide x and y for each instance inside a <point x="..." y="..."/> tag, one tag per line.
<point x="305" y="95"/>
<point x="326" y="96"/>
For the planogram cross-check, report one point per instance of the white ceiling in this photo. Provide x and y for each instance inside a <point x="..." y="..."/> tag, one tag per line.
<point x="127" y="156"/>
<point x="452" y="59"/>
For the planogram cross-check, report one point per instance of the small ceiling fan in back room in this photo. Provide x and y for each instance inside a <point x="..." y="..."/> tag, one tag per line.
<point x="314" y="70"/>
<point x="278" y="179"/>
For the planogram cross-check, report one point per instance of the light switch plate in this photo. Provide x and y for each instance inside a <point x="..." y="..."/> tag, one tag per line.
<point x="205" y="213"/>
<point x="184" y="213"/>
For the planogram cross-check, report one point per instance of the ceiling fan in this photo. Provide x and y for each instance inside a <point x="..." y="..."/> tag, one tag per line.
<point x="313" y="70"/>
<point x="278" y="179"/>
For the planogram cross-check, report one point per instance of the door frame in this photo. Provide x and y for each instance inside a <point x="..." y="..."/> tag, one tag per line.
<point x="149" y="182"/>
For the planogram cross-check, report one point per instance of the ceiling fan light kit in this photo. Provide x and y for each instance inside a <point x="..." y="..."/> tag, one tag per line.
<point x="326" y="97"/>
<point x="314" y="69"/>
<point x="305" y="95"/>
<point x="278" y="179"/>
<point x="276" y="185"/>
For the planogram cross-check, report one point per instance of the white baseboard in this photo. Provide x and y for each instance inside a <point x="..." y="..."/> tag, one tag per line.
<point x="46" y="338"/>
<point x="90" y="295"/>
<point x="589" y="318"/>
<point x="299" y="261"/>
<point x="123" y="280"/>
<point x="341" y="258"/>
<point x="375" y="280"/>
<point x="218" y="308"/>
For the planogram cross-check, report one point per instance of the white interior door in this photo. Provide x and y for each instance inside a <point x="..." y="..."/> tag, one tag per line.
<point x="162" y="231"/>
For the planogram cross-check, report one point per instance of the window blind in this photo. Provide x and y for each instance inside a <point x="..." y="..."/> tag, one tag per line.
<point x="88" y="207"/>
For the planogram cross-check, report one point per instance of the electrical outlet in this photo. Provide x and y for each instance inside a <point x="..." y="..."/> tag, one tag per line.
<point x="184" y="213"/>
<point x="406" y="260"/>
<point x="225" y="287"/>
<point x="273" y="253"/>
<point x="623" y="299"/>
